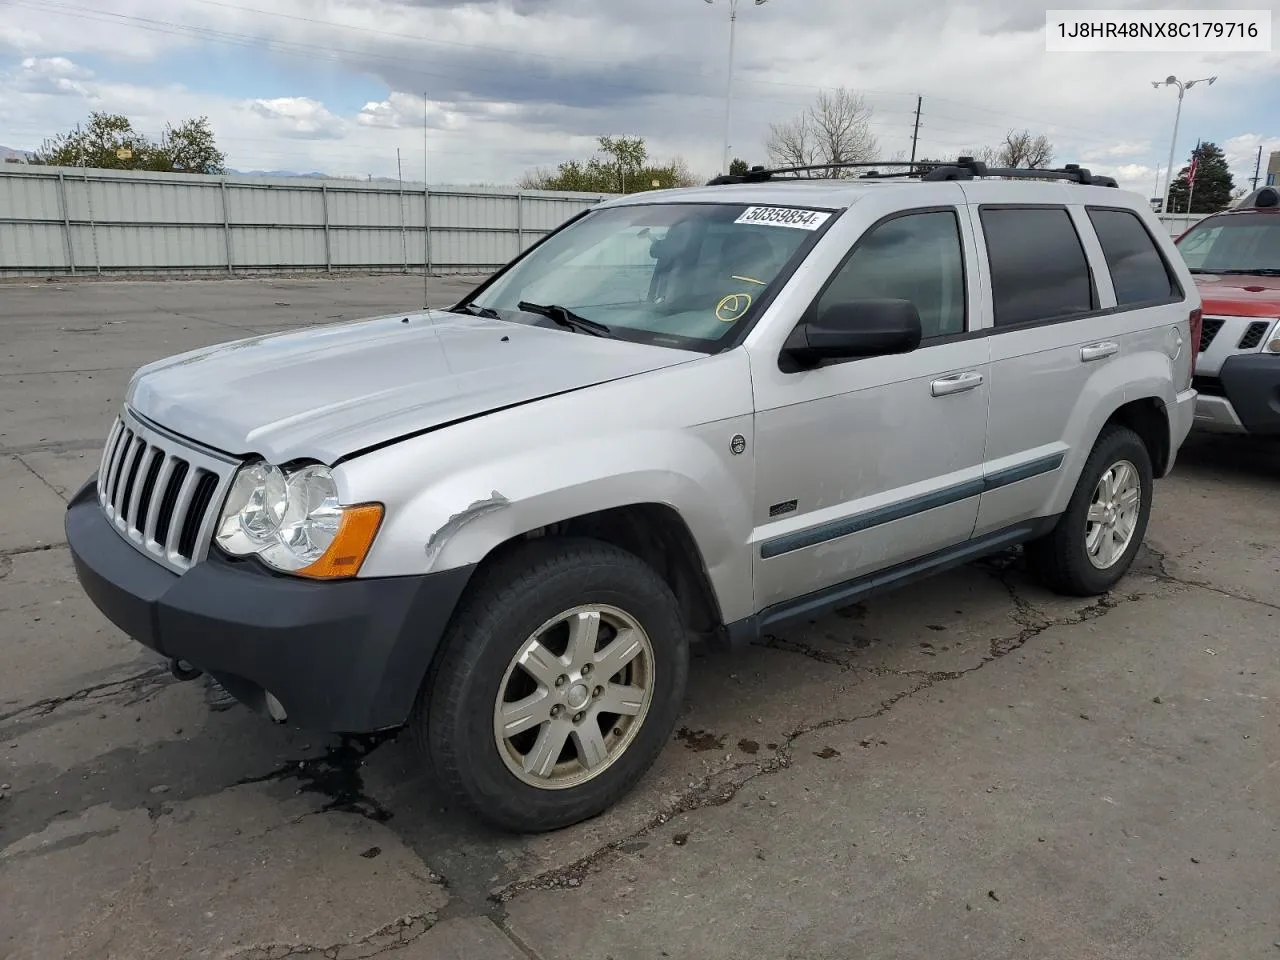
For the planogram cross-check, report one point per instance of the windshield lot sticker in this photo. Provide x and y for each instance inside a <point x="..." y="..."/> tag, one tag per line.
<point x="784" y="217"/>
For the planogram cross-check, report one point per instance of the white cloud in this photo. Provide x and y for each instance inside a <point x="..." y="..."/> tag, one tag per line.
<point x="522" y="83"/>
<point x="301" y="117"/>
<point x="1117" y="151"/>
<point x="57" y="76"/>
<point x="1242" y="155"/>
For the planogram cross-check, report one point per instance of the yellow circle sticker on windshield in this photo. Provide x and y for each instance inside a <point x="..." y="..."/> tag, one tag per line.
<point x="733" y="306"/>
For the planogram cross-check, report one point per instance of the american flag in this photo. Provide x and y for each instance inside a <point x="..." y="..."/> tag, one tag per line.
<point x="1195" y="157"/>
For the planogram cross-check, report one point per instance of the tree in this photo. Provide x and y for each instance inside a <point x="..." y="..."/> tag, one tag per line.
<point x="109" y="141"/>
<point x="1020" y="148"/>
<point x="836" y="128"/>
<point x="1213" y="186"/>
<point x="738" y="167"/>
<point x="627" y="155"/>
<point x="190" y="147"/>
<point x="624" y="168"/>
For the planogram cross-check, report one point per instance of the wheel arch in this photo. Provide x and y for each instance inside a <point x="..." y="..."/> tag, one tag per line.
<point x="1148" y="417"/>
<point x="655" y="533"/>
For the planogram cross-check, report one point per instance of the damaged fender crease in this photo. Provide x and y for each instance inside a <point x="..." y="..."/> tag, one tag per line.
<point x="496" y="501"/>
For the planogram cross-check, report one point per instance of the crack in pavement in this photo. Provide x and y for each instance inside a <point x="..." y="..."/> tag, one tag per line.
<point x="721" y="787"/>
<point x="34" y="473"/>
<point x="156" y="676"/>
<point x="393" y="936"/>
<point x="53" y="446"/>
<point x="1163" y="575"/>
<point x="38" y="548"/>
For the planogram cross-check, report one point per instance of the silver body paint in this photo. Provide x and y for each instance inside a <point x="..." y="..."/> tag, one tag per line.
<point x="474" y="431"/>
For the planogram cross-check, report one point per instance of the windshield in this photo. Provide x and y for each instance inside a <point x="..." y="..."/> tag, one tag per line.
<point x="683" y="275"/>
<point x="1239" y="243"/>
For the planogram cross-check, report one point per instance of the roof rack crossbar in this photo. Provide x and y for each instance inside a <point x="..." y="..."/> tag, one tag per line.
<point x="963" y="168"/>
<point x="759" y="174"/>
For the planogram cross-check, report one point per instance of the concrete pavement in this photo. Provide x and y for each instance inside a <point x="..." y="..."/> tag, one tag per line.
<point x="968" y="768"/>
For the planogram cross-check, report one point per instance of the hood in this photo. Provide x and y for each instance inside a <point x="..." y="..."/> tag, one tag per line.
<point x="1239" y="295"/>
<point x="329" y="391"/>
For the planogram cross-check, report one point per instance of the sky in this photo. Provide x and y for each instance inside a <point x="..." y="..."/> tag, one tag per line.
<point x="505" y="86"/>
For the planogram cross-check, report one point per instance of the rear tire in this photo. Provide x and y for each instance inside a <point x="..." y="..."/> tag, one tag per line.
<point x="516" y="720"/>
<point x="1095" y="541"/>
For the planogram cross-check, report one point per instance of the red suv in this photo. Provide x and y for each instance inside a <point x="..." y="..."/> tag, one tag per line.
<point x="1235" y="257"/>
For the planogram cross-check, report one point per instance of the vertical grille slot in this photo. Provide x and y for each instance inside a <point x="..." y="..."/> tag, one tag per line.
<point x="169" y="500"/>
<point x="130" y="472"/>
<point x="155" y="460"/>
<point x="108" y="452"/>
<point x="1253" y="336"/>
<point x="1208" y="330"/>
<point x="206" y="486"/>
<point x="113" y="476"/>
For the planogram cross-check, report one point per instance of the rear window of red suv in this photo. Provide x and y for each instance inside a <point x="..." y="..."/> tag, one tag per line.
<point x="1236" y="243"/>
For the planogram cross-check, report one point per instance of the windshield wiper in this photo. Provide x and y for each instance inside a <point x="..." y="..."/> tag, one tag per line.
<point x="565" y="317"/>
<point x="474" y="311"/>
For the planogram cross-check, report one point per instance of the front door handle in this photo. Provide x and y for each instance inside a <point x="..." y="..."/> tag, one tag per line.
<point x="1098" y="351"/>
<point x="956" y="384"/>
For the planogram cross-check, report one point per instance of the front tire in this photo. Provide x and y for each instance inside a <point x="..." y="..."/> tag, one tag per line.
<point x="559" y="683"/>
<point x="1095" y="541"/>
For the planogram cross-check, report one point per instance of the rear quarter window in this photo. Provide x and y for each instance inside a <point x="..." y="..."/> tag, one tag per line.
<point x="1139" y="272"/>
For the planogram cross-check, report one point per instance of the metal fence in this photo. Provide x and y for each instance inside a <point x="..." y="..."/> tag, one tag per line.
<point x="1178" y="223"/>
<point x="71" y="220"/>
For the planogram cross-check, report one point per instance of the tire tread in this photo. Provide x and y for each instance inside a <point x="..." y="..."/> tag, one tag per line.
<point x="527" y="568"/>
<point x="1057" y="559"/>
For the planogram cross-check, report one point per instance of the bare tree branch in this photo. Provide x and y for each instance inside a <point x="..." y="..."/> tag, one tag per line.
<point x="835" y="129"/>
<point x="1021" y="149"/>
<point x="791" y="144"/>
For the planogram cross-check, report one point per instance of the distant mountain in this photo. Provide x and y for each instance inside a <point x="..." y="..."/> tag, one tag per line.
<point x="313" y="175"/>
<point x="278" y="173"/>
<point x="10" y="153"/>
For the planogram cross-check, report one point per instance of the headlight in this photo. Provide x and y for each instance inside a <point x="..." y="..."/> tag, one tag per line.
<point x="294" y="522"/>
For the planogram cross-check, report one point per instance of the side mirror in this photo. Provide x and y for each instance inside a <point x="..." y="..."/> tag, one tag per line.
<point x="851" y="329"/>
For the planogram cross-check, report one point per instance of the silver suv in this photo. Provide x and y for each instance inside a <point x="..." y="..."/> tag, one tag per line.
<point x="690" y="415"/>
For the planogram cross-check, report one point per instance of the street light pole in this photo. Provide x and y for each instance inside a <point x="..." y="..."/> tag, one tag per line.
<point x="1183" y="87"/>
<point x="728" y="97"/>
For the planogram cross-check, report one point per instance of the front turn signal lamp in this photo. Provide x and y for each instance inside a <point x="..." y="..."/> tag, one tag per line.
<point x="293" y="522"/>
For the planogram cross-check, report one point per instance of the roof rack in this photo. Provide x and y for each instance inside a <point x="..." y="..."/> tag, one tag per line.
<point x="963" y="168"/>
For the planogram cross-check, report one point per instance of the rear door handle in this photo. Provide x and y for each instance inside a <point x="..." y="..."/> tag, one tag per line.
<point x="957" y="384"/>
<point x="1098" y="351"/>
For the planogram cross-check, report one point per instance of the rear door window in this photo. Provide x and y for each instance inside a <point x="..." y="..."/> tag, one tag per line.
<point x="1039" y="271"/>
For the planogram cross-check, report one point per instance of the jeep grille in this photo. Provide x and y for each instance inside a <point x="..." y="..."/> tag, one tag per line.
<point x="162" y="494"/>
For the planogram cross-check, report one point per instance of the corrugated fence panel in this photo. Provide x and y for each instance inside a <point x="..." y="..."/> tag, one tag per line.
<point x="162" y="247"/>
<point x="373" y="248"/>
<point x="365" y="208"/>
<point x="470" y="248"/>
<point x="544" y="215"/>
<point x="139" y="222"/>
<point x="488" y="213"/>
<point x="33" y="245"/>
<point x="36" y="199"/>
<point x="264" y="205"/>
<point x="264" y="247"/>
<point x="113" y="201"/>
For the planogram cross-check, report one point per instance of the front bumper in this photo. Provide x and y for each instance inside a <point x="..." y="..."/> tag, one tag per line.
<point x="343" y="656"/>
<point x="1243" y="398"/>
